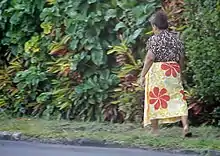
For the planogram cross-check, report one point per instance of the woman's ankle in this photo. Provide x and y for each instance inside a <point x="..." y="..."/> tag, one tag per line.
<point x="155" y="132"/>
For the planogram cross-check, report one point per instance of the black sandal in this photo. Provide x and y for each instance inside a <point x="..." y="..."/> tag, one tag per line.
<point x="188" y="135"/>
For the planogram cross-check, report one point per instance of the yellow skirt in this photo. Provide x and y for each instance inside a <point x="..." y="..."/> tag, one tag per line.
<point x="164" y="94"/>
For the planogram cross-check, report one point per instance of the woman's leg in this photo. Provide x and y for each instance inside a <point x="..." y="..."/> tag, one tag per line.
<point x="155" y="126"/>
<point x="185" y="123"/>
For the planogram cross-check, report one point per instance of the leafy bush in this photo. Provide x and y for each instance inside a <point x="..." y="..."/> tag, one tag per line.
<point x="202" y="38"/>
<point x="61" y="48"/>
<point x="129" y="95"/>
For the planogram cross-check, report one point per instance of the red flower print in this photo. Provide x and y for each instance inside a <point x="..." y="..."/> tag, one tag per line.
<point x="171" y="69"/>
<point x="183" y="93"/>
<point x="159" y="98"/>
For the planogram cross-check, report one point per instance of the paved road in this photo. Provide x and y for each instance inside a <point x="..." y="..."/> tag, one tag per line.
<point x="9" y="148"/>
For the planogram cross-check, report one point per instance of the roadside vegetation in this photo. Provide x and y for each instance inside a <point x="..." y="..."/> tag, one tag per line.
<point x="80" y="61"/>
<point x="205" y="138"/>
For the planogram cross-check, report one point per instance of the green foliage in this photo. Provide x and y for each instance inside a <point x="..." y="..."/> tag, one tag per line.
<point x="64" y="69"/>
<point x="202" y="38"/>
<point x="8" y="90"/>
<point x="202" y="46"/>
<point x="30" y="84"/>
<point x="129" y="95"/>
<point x="19" y="20"/>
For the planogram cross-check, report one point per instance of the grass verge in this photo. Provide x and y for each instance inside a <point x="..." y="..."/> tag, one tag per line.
<point x="205" y="138"/>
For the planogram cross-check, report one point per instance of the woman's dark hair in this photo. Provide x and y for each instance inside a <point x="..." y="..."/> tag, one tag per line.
<point x="160" y="20"/>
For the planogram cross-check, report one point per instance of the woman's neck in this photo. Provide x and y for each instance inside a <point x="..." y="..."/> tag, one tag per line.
<point x="158" y="31"/>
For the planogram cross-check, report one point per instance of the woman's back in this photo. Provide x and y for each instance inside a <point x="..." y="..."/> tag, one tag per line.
<point x="165" y="46"/>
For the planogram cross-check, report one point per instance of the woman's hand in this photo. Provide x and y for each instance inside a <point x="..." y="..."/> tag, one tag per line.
<point x="142" y="81"/>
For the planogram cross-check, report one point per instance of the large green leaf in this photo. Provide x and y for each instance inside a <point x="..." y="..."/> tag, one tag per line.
<point x="119" y="26"/>
<point x="97" y="56"/>
<point x="135" y="35"/>
<point x="74" y="44"/>
<point x="91" y="1"/>
<point x="40" y="4"/>
<point x="43" y="97"/>
<point x="111" y="13"/>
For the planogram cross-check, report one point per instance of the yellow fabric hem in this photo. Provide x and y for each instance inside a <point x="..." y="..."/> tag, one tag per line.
<point x="169" y="120"/>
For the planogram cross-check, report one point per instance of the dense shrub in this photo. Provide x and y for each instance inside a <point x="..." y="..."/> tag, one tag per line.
<point x="55" y="54"/>
<point x="202" y="38"/>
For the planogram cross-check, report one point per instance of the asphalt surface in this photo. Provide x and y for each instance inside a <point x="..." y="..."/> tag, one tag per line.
<point x="10" y="148"/>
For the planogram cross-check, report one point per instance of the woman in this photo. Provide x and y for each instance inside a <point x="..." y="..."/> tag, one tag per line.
<point x="164" y="96"/>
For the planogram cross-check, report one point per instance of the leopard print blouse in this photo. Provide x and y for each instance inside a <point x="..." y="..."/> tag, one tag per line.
<point x="165" y="46"/>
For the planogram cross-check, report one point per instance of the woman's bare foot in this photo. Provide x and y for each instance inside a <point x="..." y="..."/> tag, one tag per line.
<point x="155" y="132"/>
